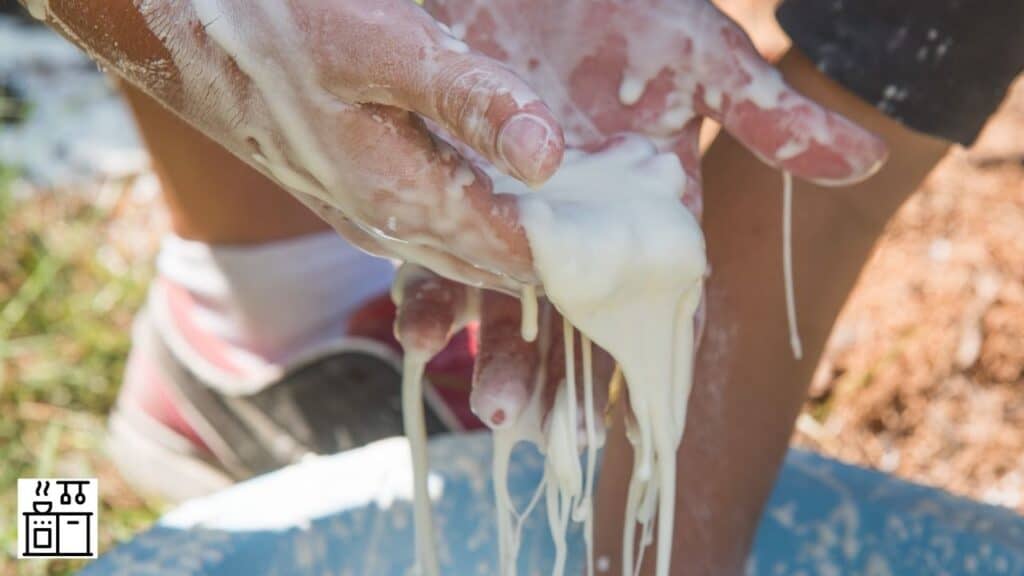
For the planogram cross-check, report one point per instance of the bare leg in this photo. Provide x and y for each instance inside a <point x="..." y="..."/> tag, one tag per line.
<point x="749" y="389"/>
<point x="260" y="282"/>
<point x="212" y="195"/>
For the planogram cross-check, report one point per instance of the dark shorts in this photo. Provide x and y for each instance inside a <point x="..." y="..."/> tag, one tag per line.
<point x="941" y="67"/>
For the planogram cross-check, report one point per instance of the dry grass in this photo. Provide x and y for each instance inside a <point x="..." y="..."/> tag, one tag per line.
<point x="73" y="268"/>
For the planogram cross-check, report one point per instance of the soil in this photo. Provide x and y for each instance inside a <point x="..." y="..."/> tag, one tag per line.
<point x="924" y="374"/>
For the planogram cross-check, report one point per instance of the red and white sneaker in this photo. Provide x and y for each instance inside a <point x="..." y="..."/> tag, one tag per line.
<point x="176" y="434"/>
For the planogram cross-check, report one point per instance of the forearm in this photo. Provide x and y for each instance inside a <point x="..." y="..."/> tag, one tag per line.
<point x="328" y="100"/>
<point x="163" y="50"/>
<point x="748" y="387"/>
<point x="117" y="35"/>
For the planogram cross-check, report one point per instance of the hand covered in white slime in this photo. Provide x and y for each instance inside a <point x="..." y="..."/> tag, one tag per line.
<point x="332" y="99"/>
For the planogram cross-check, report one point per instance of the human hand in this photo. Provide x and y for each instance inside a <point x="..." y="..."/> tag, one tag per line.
<point x="658" y="67"/>
<point x="341" y="103"/>
<point x="653" y="67"/>
<point x="508" y="369"/>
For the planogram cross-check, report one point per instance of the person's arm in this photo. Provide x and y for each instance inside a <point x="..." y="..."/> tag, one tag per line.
<point x="327" y="99"/>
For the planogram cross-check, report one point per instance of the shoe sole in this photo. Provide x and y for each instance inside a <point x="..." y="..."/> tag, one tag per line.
<point x="157" y="462"/>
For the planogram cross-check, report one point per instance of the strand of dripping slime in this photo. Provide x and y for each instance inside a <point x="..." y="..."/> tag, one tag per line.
<point x="510" y="523"/>
<point x="562" y="467"/>
<point x="652" y="493"/>
<point x="640" y="493"/>
<point x="414" y="422"/>
<point x="682" y="360"/>
<point x="416" y="432"/>
<point x="787" y="264"/>
<point x="528" y="312"/>
<point x="569" y="336"/>
<point x="618" y="297"/>
<point x="585" y="509"/>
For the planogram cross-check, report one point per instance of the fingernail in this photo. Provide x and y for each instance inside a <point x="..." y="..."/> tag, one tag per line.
<point x="498" y="407"/>
<point x="498" y="418"/>
<point x="492" y="410"/>
<point x="530" y="148"/>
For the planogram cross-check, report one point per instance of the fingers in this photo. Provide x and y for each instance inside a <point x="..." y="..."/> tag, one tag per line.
<point x="421" y="201"/>
<point x="398" y="55"/>
<point x="504" y="377"/>
<point x="489" y="108"/>
<point x="430" y="310"/>
<point x="782" y="127"/>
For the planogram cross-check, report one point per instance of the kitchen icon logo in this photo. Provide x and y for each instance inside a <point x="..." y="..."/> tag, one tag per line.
<point x="58" y="518"/>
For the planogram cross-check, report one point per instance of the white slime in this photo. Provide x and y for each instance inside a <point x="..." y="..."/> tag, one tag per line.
<point x="787" y="264"/>
<point x="623" y="260"/>
<point x="528" y="303"/>
<point x="416" y="431"/>
<point x="413" y="418"/>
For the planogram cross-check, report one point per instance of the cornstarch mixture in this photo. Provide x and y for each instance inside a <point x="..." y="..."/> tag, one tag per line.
<point x="623" y="261"/>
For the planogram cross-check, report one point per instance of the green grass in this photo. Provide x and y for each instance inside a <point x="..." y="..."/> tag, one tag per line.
<point x="65" y="311"/>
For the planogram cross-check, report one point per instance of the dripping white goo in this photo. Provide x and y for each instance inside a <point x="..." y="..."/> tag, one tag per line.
<point x="416" y="432"/>
<point x="787" y="264"/>
<point x="528" y="313"/>
<point x="413" y="420"/>
<point x="624" y="261"/>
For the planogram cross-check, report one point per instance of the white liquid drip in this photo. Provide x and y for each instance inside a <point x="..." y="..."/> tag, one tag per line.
<point x="628" y="274"/>
<point x="559" y="508"/>
<point x="585" y="510"/>
<point x="416" y="432"/>
<point x="525" y="429"/>
<point x="787" y="264"/>
<point x="569" y="339"/>
<point x="528" y="307"/>
<point x="562" y="472"/>
<point x="413" y="419"/>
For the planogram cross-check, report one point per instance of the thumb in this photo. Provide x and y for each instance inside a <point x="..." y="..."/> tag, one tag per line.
<point x="781" y="126"/>
<point x="402" y="57"/>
